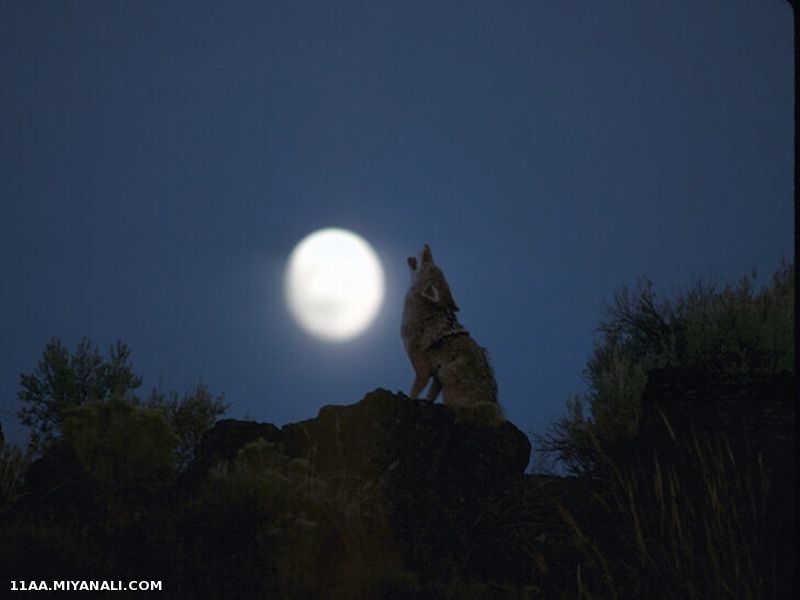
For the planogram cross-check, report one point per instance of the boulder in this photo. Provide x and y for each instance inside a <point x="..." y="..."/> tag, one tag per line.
<point x="411" y="442"/>
<point x="436" y="473"/>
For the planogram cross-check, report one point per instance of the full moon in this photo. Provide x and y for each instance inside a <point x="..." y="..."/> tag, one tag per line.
<point x="334" y="284"/>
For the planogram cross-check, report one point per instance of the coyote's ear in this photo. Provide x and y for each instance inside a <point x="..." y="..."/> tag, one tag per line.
<point x="426" y="256"/>
<point x="412" y="262"/>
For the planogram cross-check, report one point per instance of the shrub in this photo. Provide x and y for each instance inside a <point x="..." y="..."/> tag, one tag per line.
<point x="13" y="464"/>
<point x="120" y="445"/>
<point x="735" y="329"/>
<point x="308" y="534"/>
<point x="64" y="380"/>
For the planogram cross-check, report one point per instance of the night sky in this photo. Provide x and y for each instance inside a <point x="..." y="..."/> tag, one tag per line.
<point x="160" y="160"/>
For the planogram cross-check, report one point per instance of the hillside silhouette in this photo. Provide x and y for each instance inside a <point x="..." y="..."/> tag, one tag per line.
<point x="391" y="497"/>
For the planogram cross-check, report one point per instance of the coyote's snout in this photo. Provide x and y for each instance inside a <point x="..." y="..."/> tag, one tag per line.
<point x="440" y="349"/>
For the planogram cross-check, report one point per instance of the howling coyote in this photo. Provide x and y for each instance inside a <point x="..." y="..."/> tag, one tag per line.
<point x="439" y="347"/>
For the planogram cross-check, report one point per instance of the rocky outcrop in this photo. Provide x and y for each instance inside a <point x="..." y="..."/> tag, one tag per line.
<point x="412" y="443"/>
<point x="436" y="473"/>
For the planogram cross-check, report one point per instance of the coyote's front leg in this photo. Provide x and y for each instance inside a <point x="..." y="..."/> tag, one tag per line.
<point x="419" y="383"/>
<point x="433" y="391"/>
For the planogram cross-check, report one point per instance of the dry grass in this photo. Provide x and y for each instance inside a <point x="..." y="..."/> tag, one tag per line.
<point x="687" y="526"/>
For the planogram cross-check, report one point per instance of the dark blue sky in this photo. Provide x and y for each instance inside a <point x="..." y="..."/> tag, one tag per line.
<point x="159" y="160"/>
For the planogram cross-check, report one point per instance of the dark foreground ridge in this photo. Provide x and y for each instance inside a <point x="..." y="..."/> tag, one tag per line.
<point x="397" y="498"/>
<point x="385" y="435"/>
